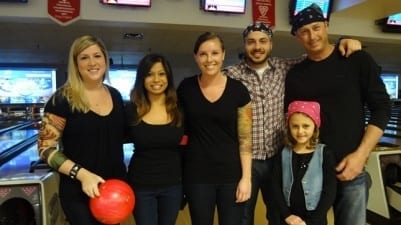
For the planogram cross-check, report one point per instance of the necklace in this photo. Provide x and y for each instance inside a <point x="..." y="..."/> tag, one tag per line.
<point x="303" y="164"/>
<point x="303" y="160"/>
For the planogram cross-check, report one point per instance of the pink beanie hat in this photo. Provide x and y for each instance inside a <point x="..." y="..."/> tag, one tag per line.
<point x="312" y="109"/>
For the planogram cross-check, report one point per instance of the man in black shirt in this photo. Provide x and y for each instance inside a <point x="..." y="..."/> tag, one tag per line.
<point x="343" y="87"/>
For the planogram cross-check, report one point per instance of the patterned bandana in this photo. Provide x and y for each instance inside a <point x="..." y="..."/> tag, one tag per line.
<point x="310" y="14"/>
<point x="257" y="27"/>
<point x="312" y="109"/>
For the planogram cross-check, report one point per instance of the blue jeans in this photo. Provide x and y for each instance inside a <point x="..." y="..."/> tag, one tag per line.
<point x="202" y="201"/>
<point x="351" y="201"/>
<point x="261" y="176"/>
<point x="158" y="206"/>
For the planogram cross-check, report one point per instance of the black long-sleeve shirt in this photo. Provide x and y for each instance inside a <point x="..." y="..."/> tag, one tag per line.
<point x="343" y="87"/>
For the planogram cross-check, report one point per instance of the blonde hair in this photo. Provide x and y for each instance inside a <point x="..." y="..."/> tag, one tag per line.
<point x="72" y="89"/>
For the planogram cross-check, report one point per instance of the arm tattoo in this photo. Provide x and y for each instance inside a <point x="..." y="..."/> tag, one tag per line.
<point x="245" y="128"/>
<point x="49" y="134"/>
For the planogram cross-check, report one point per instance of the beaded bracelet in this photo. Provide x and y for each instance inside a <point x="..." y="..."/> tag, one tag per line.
<point x="74" y="170"/>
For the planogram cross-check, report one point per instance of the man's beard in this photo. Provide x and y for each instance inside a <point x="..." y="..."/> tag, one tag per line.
<point x="256" y="63"/>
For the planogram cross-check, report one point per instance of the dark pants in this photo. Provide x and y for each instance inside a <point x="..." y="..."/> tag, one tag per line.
<point x="78" y="212"/>
<point x="159" y="206"/>
<point x="261" y="175"/>
<point x="203" y="199"/>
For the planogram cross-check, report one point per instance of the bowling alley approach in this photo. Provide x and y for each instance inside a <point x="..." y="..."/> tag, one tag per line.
<point x="86" y="88"/>
<point x="28" y="187"/>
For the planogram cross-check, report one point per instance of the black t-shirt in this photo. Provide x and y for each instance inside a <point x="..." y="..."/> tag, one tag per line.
<point x="213" y="148"/>
<point x="157" y="159"/>
<point x="92" y="140"/>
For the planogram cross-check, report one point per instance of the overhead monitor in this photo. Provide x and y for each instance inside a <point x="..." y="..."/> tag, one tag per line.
<point x="296" y="6"/>
<point x="26" y="85"/>
<point x="140" y="3"/>
<point x="224" y="6"/>
<point x="18" y="1"/>
<point x="123" y="80"/>
<point x="390" y="24"/>
<point x="394" y="19"/>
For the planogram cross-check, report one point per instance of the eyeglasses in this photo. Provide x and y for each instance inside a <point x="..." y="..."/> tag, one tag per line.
<point x="258" y="27"/>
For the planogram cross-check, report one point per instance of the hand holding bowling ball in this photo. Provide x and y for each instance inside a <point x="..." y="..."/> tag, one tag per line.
<point x="115" y="203"/>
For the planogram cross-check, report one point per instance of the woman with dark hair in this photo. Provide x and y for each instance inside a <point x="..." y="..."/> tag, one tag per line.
<point x="217" y="163"/>
<point x="155" y="128"/>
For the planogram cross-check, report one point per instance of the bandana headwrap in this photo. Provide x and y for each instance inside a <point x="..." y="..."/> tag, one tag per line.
<point x="310" y="14"/>
<point x="311" y="109"/>
<point x="257" y="27"/>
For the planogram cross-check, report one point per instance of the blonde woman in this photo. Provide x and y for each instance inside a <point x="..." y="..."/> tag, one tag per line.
<point x="86" y="118"/>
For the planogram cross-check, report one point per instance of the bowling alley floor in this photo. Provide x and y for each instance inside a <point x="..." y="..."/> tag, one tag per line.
<point x="260" y="212"/>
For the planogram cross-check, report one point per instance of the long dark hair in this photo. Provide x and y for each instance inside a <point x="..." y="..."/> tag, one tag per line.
<point x="139" y="93"/>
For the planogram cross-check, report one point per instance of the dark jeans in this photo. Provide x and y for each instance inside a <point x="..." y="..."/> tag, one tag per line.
<point x="78" y="212"/>
<point x="261" y="175"/>
<point x="159" y="206"/>
<point x="203" y="199"/>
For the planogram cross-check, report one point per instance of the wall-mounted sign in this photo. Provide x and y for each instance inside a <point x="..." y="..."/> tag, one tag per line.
<point x="64" y="12"/>
<point x="263" y="11"/>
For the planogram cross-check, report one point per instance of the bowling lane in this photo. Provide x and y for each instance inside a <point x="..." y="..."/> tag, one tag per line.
<point x="17" y="145"/>
<point x="4" y="124"/>
<point x="21" y="163"/>
<point x="13" y="137"/>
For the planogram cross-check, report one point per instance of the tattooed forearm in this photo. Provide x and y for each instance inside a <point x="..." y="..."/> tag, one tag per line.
<point x="44" y="153"/>
<point x="55" y="121"/>
<point x="245" y="128"/>
<point x="49" y="135"/>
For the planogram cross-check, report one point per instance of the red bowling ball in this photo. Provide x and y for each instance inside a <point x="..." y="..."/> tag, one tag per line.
<point x="115" y="203"/>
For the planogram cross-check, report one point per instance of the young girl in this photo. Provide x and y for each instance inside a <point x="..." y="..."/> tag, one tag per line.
<point x="304" y="177"/>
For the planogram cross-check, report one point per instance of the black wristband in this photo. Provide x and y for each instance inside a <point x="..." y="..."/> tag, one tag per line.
<point x="74" y="170"/>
